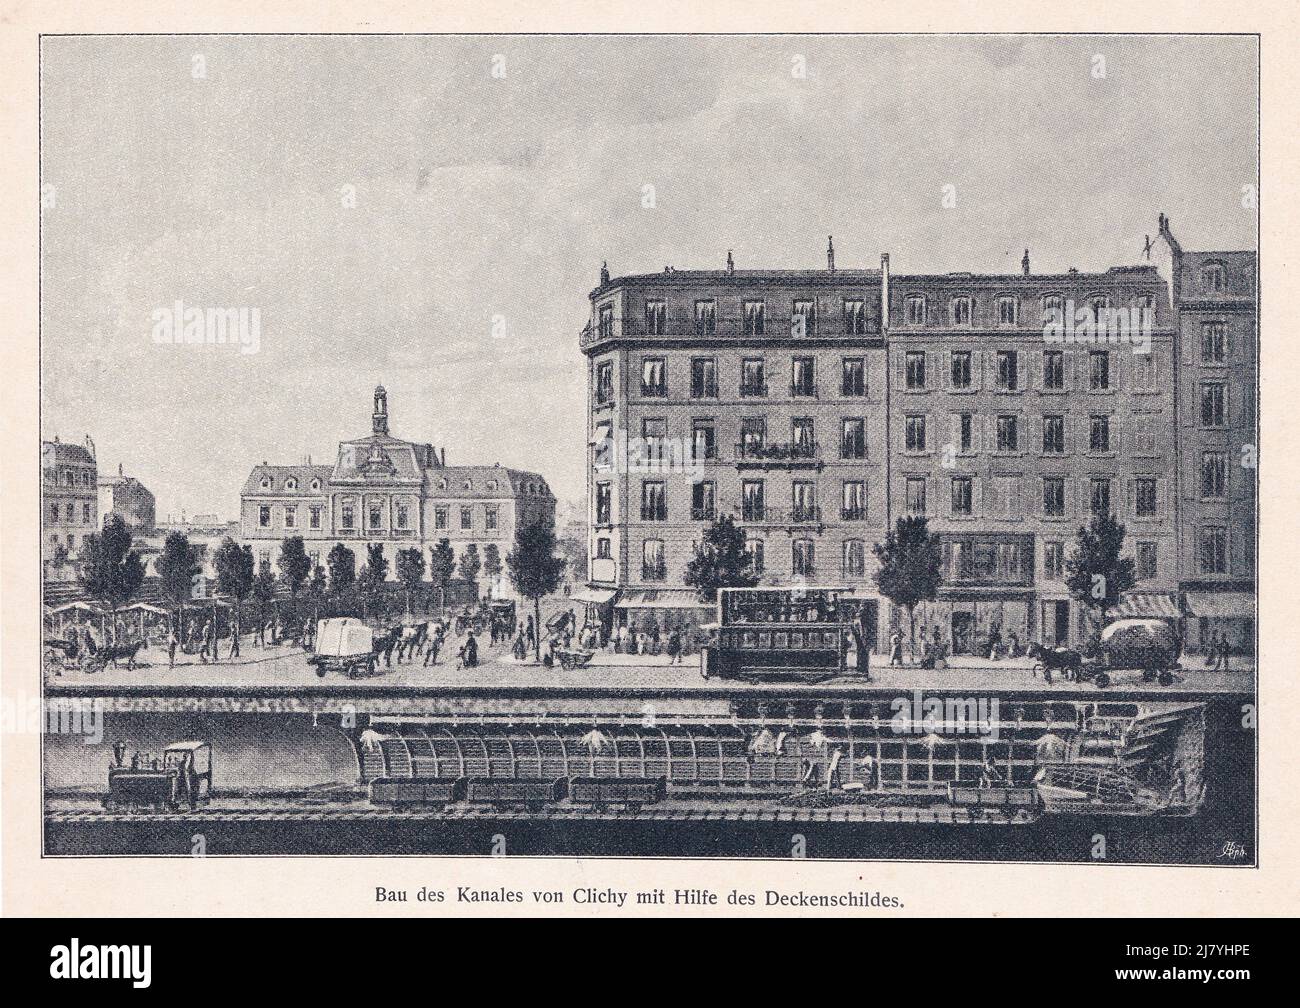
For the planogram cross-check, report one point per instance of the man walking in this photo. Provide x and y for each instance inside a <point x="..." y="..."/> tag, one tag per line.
<point x="896" y="648"/>
<point x="234" y="639"/>
<point x="171" y="647"/>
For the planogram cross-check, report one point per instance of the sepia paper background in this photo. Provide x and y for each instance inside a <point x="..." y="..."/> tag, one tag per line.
<point x="213" y="886"/>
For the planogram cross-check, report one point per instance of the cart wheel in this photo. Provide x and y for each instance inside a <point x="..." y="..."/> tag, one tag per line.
<point x="1103" y="680"/>
<point x="1166" y="677"/>
<point x="1148" y="675"/>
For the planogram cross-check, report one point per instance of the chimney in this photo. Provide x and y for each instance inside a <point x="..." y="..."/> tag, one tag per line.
<point x="731" y="263"/>
<point x="884" y="291"/>
<point x="1024" y="263"/>
<point x="830" y="253"/>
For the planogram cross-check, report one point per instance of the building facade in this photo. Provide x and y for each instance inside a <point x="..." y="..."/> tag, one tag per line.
<point x="398" y="494"/>
<point x="128" y="498"/>
<point x="816" y="407"/>
<point x="1214" y="300"/>
<point x="69" y="505"/>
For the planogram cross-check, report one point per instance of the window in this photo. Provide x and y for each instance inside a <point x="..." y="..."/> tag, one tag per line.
<point x="439" y="518"/>
<point x="961" y="370"/>
<point x="1214" y="277"/>
<point x="706" y="318"/>
<point x="1053" y="560"/>
<point x="290" y="516"/>
<point x="1099" y="434"/>
<point x="291" y="484"/>
<point x="1053" y="309"/>
<point x="855" y="558"/>
<point x="803" y="501"/>
<point x="853" y="439"/>
<point x="1008" y="376"/>
<point x="916" y="495"/>
<point x="1008" y="431"/>
<point x="704" y="378"/>
<point x="1100" y="496"/>
<point x="802" y="377"/>
<point x="603" y="548"/>
<point x="263" y="515"/>
<point x="1053" y="496"/>
<point x="703" y="441"/>
<point x="753" y="436"/>
<point x="752" y="318"/>
<point x="1213" y="404"/>
<point x="854" y="382"/>
<point x="1214" y="474"/>
<point x="605" y="326"/>
<point x="1006" y="311"/>
<point x="916" y="309"/>
<point x="85" y="514"/>
<point x="962" y="496"/>
<point x="493" y="516"/>
<point x="313" y="517"/>
<point x="403" y="515"/>
<point x="754" y="547"/>
<point x="752" y="506"/>
<point x="753" y="379"/>
<point x="1214" y="550"/>
<point x="1144" y="497"/>
<point x="348" y="516"/>
<point x="855" y="317"/>
<point x="1144" y="371"/>
<point x="604" y="383"/>
<point x="702" y="501"/>
<point x="961" y="308"/>
<point x="803" y="558"/>
<point x="656" y="318"/>
<point x="854" y="504"/>
<point x="803" y="319"/>
<point x="802" y="437"/>
<point x="1098" y="370"/>
<point x="915" y="365"/>
<point x="467" y="517"/>
<point x="1053" y="369"/>
<point x="654" y="377"/>
<point x="965" y="429"/>
<point x="602" y="444"/>
<point x="653" y="565"/>
<point x="1099" y="308"/>
<point x="1053" y="434"/>
<point x="1146" y="561"/>
<point x="914" y="433"/>
<point x="1214" y="343"/>
<point x="654" y="501"/>
<point x="604" y="504"/>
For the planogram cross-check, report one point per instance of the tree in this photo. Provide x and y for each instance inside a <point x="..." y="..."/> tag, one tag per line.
<point x="235" y="568"/>
<point x="371" y="579"/>
<point x="294" y="564"/>
<point x="491" y="564"/>
<point x="1095" y="573"/>
<point x="410" y="571"/>
<point x="911" y="560"/>
<point x="176" y="566"/>
<point x="535" y="571"/>
<point x="442" y="564"/>
<point x="721" y="561"/>
<point x="111" y="570"/>
<point x="470" y="563"/>
<point x="264" y="591"/>
<point x="342" y="563"/>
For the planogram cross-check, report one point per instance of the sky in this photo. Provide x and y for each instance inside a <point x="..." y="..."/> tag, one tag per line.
<point x="431" y="213"/>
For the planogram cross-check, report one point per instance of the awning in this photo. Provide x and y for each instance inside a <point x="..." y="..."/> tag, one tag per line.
<point x="661" y="598"/>
<point x="81" y="606"/>
<point x="1146" y="605"/>
<point x="597" y="596"/>
<point x="1222" y="605"/>
<point x="145" y="607"/>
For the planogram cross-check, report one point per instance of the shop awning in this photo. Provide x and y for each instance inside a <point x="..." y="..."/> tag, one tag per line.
<point x="1222" y="605"/>
<point x="598" y="596"/>
<point x="1146" y="605"/>
<point x="661" y="598"/>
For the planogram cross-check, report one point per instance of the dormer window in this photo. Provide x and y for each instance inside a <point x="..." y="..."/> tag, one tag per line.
<point x="1214" y="277"/>
<point x="469" y="485"/>
<point x="291" y="484"/>
<point x="442" y="483"/>
<point x="1098" y="307"/>
<point x="315" y="485"/>
<point x="1006" y="311"/>
<point x="266" y="483"/>
<point x="1054" y="308"/>
<point x="492" y="484"/>
<point x="961" y="310"/>
<point x="916" y="309"/>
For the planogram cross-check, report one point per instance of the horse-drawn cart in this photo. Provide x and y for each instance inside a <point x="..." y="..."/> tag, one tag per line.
<point x="344" y="645"/>
<point x="573" y="658"/>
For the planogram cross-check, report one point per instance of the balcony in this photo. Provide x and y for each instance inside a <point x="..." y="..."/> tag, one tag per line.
<point x="803" y="516"/>
<point x="853" y="513"/>
<point x="654" y="391"/>
<point x="703" y="514"/>
<point x="803" y="390"/>
<point x="654" y="572"/>
<point x="753" y="390"/>
<point x="786" y="455"/>
<point x="652" y="513"/>
<point x="704" y="390"/>
<point x="682" y="326"/>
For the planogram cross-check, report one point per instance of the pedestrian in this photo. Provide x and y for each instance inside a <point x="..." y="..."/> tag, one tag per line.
<point x="520" y="648"/>
<point x="896" y="648"/>
<point x="234" y="640"/>
<point x="674" y="647"/>
<point x="171" y="647"/>
<point x="530" y="632"/>
<point x="1225" y="650"/>
<point x="471" y="651"/>
<point x="1212" y="658"/>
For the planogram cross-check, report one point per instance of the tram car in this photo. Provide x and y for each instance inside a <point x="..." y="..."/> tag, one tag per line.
<point x="784" y="635"/>
<point x="181" y="777"/>
<point x="629" y="792"/>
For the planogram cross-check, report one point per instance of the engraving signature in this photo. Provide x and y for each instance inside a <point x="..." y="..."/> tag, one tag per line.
<point x="1233" y="850"/>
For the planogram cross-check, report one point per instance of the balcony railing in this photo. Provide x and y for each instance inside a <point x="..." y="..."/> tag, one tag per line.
<point x="853" y="450"/>
<point x="654" y="391"/>
<point x="753" y="390"/>
<point x="684" y="327"/>
<point x="654" y="572"/>
<point x="703" y="513"/>
<point x="705" y="390"/>
<point x="652" y="513"/>
<point x="806" y="514"/>
<point x="853" y="513"/>
<point x="781" y="453"/>
<point x="803" y="390"/>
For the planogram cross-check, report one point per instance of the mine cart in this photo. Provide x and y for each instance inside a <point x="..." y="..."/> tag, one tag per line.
<point x="180" y="777"/>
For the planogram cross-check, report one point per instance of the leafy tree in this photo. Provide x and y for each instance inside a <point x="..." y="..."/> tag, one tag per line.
<point x="470" y="563"/>
<point x="371" y="579"/>
<point x="176" y="566"/>
<point x="376" y="563"/>
<point x="410" y="571"/>
<point x="235" y="568"/>
<point x="442" y="564"/>
<point x="294" y="564"/>
<point x="911" y="561"/>
<point x="264" y="590"/>
<point x="721" y="561"/>
<point x="535" y="570"/>
<point x="111" y="570"/>
<point x="492" y="562"/>
<point x="1095" y="573"/>
<point x="342" y="564"/>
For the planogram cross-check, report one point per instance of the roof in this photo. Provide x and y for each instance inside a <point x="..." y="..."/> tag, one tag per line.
<point x="279" y="475"/>
<point x="488" y="481"/>
<point x="63" y="451"/>
<point x="380" y="457"/>
<point x="745" y="278"/>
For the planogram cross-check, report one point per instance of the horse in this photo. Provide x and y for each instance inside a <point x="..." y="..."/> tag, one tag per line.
<point x="384" y="644"/>
<point x="110" y="653"/>
<point x="411" y="640"/>
<point x="1047" y="659"/>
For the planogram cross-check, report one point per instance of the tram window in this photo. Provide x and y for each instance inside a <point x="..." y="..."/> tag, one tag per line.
<point x="781" y="642"/>
<point x="750" y="638"/>
<point x="765" y="640"/>
<point x="796" y="640"/>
